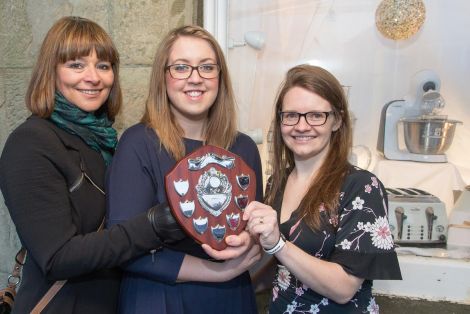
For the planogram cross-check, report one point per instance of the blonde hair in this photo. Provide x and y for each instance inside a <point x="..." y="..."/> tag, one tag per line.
<point x="325" y="188"/>
<point x="70" y="38"/>
<point x="221" y="128"/>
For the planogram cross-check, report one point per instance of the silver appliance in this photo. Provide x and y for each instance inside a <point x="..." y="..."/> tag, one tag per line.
<point x="416" y="121"/>
<point x="416" y="217"/>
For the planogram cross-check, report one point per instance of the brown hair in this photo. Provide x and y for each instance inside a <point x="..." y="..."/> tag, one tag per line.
<point x="221" y="129"/>
<point x="70" y="38"/>
<point x="325" y="187"/>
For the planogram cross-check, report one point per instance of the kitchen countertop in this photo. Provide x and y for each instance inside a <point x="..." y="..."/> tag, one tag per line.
<point x="431" y="278"/>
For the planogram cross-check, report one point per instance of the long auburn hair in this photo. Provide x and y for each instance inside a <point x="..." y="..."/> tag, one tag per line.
<point x="325" y="187"/>
<point x="70" y="38"/>
<point x="221" y="128"/>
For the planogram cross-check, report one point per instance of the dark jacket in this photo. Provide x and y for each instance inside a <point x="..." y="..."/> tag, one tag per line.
<point x="56" y="211"/>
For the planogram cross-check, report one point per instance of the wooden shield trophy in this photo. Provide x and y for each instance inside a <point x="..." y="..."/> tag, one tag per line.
<point x="208" y="191"/>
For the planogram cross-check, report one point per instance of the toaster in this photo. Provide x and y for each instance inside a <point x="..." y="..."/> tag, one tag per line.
<point x="416" y="217"/>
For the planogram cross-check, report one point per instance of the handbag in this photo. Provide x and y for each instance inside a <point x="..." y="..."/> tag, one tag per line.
<point x="7" y="295"/>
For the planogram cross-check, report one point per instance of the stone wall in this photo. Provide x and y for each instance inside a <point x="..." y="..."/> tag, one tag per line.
<point x="136" y="28"/>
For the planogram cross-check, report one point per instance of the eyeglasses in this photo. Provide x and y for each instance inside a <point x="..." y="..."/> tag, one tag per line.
<point x="313" y="118"/>
<point x="184" y="71"/>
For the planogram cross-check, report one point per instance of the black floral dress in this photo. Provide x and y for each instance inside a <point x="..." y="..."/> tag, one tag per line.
<point x="358" y="238"/>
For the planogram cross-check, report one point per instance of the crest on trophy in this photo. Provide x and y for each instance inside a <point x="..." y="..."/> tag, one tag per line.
<point x="208" y="191"/>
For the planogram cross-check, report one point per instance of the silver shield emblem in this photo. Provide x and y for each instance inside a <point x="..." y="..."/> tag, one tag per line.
<point x="241" y="201"/>
<point x="214" y="191"/>
<point x="233" y="221"/>
<point x="218" y="232"/>
<point x="181" y="187"/>
<point x="187" y="208"/>
<point x="243" y="181"/>
<point x="200" y="224"/>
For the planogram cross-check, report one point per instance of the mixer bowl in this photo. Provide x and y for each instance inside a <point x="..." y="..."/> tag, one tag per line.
<point x="428" y="136"/>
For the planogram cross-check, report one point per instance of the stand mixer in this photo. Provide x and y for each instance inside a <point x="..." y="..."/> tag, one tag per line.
<point x="427" y="134"/>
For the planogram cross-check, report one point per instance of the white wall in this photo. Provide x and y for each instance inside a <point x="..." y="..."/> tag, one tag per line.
<point x="341" y="36"/>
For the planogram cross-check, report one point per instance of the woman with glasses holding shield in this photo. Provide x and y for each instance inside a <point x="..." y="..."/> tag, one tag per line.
<point x="324" y="221"/>
<point x="190" y="104"/>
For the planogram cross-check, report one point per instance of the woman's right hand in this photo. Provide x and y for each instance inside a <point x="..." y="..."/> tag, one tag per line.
<point x="262" y="223"/>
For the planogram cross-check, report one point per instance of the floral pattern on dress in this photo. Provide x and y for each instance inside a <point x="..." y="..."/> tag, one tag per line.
<point x="359" y="226"/>
<point x="283" y="282"/>
<point x="373" y="307"/>
<point x="377" y="227"/>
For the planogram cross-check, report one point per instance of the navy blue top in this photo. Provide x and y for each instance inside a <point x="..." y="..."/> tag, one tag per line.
<point x="135" y="182"/>
<point x="357" y="237"/>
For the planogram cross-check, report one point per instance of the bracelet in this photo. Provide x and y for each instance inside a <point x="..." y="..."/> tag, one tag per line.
<point x="279" y="245"/>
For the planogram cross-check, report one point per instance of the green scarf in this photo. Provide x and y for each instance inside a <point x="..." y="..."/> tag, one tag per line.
<point x="96" y="131"/>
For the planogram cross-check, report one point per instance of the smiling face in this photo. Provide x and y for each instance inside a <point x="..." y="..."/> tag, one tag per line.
<point x="303" y="140"/>
<point x="85" y="82"/>
<point x="191" y="98"/>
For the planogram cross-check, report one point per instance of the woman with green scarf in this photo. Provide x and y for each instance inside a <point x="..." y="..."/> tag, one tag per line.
<point x="52" y="172"/>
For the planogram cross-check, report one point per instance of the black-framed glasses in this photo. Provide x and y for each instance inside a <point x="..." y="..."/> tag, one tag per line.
<point x="184" y="71"/>
<point x="313" y="118"/>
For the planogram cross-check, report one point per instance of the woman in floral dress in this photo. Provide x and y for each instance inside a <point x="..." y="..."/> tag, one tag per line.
<point x="324" y="221"/>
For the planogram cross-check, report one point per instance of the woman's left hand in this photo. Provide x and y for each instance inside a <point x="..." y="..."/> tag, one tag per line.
<point x="262" y="223"/>
<point x="244" y="262"/>
<point x="237" y="245"/>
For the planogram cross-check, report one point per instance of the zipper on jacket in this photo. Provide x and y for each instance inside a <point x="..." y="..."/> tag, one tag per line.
<point x="77" y="183"/>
